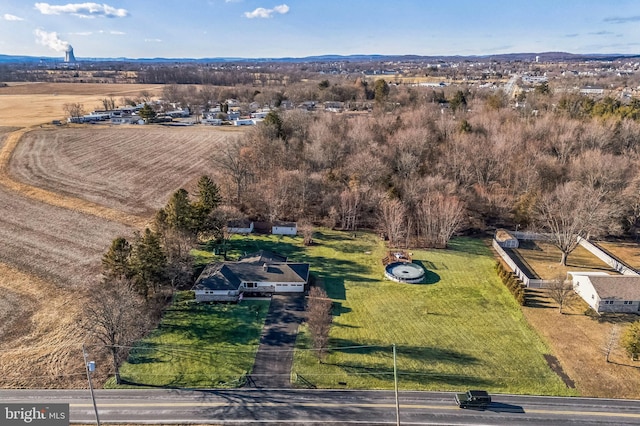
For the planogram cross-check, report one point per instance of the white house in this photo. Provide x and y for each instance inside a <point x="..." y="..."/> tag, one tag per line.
<point x="240" y="226"/>
<point x="284" y="228"/>
<point x="243" y="122"/>
<point x="257" y="274"/>
<point x="607" y="293"/>
<point x="592" y="90"/>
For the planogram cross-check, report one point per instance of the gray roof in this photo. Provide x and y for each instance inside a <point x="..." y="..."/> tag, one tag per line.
<point x="620" y="287"/>
<point x="263" y="256"/>
<point x="253" y="268"/>
<point x="284" y="224"/>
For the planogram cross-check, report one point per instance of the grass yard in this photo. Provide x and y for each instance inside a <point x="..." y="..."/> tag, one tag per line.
<point x="578" y="341"/>
<point x="198" y="345"/>
<point x="462" y="329"/>
<point x="544" y="259"/>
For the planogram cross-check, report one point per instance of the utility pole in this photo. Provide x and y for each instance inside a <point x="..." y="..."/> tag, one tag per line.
<point x="395" y="381"/>
<point x="90" y="368"/>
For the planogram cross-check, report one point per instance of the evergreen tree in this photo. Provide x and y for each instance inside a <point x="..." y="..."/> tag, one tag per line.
<point x="116" y="262"/>
<point x="381" y="91"/>
<point x="208" y="194"/>
<point x="631" y="340"/>
<point x="179" y="211"/>
<point x="148" y="262"/>
<point x="147" y="113"/>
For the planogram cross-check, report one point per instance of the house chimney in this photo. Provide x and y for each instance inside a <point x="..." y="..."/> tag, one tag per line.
<point x="265" y="267"/>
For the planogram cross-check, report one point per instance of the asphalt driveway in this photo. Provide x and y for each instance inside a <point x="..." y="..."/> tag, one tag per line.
<point x="272" y="366"/>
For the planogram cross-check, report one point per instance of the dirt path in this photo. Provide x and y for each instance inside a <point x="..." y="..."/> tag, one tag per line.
<point x="272" y="366"/>
<point x="56" y="199"/>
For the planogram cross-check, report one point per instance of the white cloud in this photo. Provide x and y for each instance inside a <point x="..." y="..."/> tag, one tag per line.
<point x="82" y="10"/>
<point x="82" y="33"/>
<point x="51" y="40"/>
<point x="117" y="32"/>
<point x="261" y="12"/>
<point x="9" y="17"/>
<point x="152" y="40"/>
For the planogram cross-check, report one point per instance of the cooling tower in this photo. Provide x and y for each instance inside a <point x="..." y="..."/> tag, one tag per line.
<point x="68" y="54"/>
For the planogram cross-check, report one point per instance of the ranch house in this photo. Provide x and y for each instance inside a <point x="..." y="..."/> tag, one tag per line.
<point x="261" y="273"/>
<point x="607" y="293"/>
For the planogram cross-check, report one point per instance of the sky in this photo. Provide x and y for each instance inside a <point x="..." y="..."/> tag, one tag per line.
<point x="299" y="28"/>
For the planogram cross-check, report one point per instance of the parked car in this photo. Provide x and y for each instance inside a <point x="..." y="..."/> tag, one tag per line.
<point x="473" y="398"/>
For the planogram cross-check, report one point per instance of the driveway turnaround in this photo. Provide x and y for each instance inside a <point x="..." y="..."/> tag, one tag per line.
<point x="272" y="367"/>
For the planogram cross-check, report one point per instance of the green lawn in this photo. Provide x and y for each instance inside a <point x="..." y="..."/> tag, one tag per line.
<point x="198" y="346"/>
<point x="462" y="329"/>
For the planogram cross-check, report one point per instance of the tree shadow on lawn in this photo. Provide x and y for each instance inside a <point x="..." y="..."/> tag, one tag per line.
<point x="338" y="309"/>
<point x="237" y="248"/>
<point x="425" y="354"/>
<point x="469" y="246"/>
<point x="239" y="332"/>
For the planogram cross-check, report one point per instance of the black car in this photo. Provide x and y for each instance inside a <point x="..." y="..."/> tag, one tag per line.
<point x="473" y="398"/>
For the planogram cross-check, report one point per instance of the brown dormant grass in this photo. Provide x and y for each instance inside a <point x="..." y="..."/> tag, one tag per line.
<point x="127" y="169"/>
<point x="578" y="341"/>
<point x="41" y="346"/>
<point x="29" y="104"/>
<point x="627" y="251"/>
<point x="544" y="259"/>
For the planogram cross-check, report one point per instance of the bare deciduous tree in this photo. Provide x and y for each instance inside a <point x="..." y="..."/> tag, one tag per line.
<point x="572" y="211"/>
<point x="73" y="110"/>
<point x="611" y="341"/>
<point x="117" y="316"/>
<point x="319" y="320"/>
<point x="306" y="229"/>
<point x="561" y="291"/>
<point x="440" y="216"/>
<point x="393" y="219"/>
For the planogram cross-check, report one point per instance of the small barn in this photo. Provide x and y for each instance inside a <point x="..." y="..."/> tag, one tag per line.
<point x="240" y="226"/>
<point x="284" y="228"/>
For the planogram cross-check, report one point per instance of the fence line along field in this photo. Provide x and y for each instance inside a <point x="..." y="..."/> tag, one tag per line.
<point x="132" y="169"/>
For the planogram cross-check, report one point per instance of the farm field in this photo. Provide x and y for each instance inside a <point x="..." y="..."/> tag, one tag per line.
<point x="133" y="169"/>
<point x="462" y="329"/>
<point x="52" y="248"/>
<point x="544" y="259"/>
<point x="198" y="346"/>
<point x="31" y="104"/>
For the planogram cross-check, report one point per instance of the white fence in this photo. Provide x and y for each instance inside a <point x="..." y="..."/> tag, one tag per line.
<point x="528" y="282"/>
<point x="606" y="258"/>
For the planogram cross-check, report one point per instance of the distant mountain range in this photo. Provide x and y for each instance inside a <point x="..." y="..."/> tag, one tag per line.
<point x="504" y="57"/>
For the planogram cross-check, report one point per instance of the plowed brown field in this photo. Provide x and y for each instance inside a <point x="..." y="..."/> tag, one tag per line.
<point x="65" y="193"/>
<point x="132" y="169"/>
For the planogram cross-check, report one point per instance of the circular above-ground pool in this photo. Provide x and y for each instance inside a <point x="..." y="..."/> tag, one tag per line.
<point x="403" y="272"/>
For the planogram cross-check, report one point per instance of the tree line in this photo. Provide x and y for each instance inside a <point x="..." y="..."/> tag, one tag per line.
<point x="141" y="274"/>
<point x="419" y="171"/>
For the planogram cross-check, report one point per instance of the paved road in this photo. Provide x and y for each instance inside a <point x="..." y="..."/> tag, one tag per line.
<point x="272" y="366"/>
<point x="322" y="407"/>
